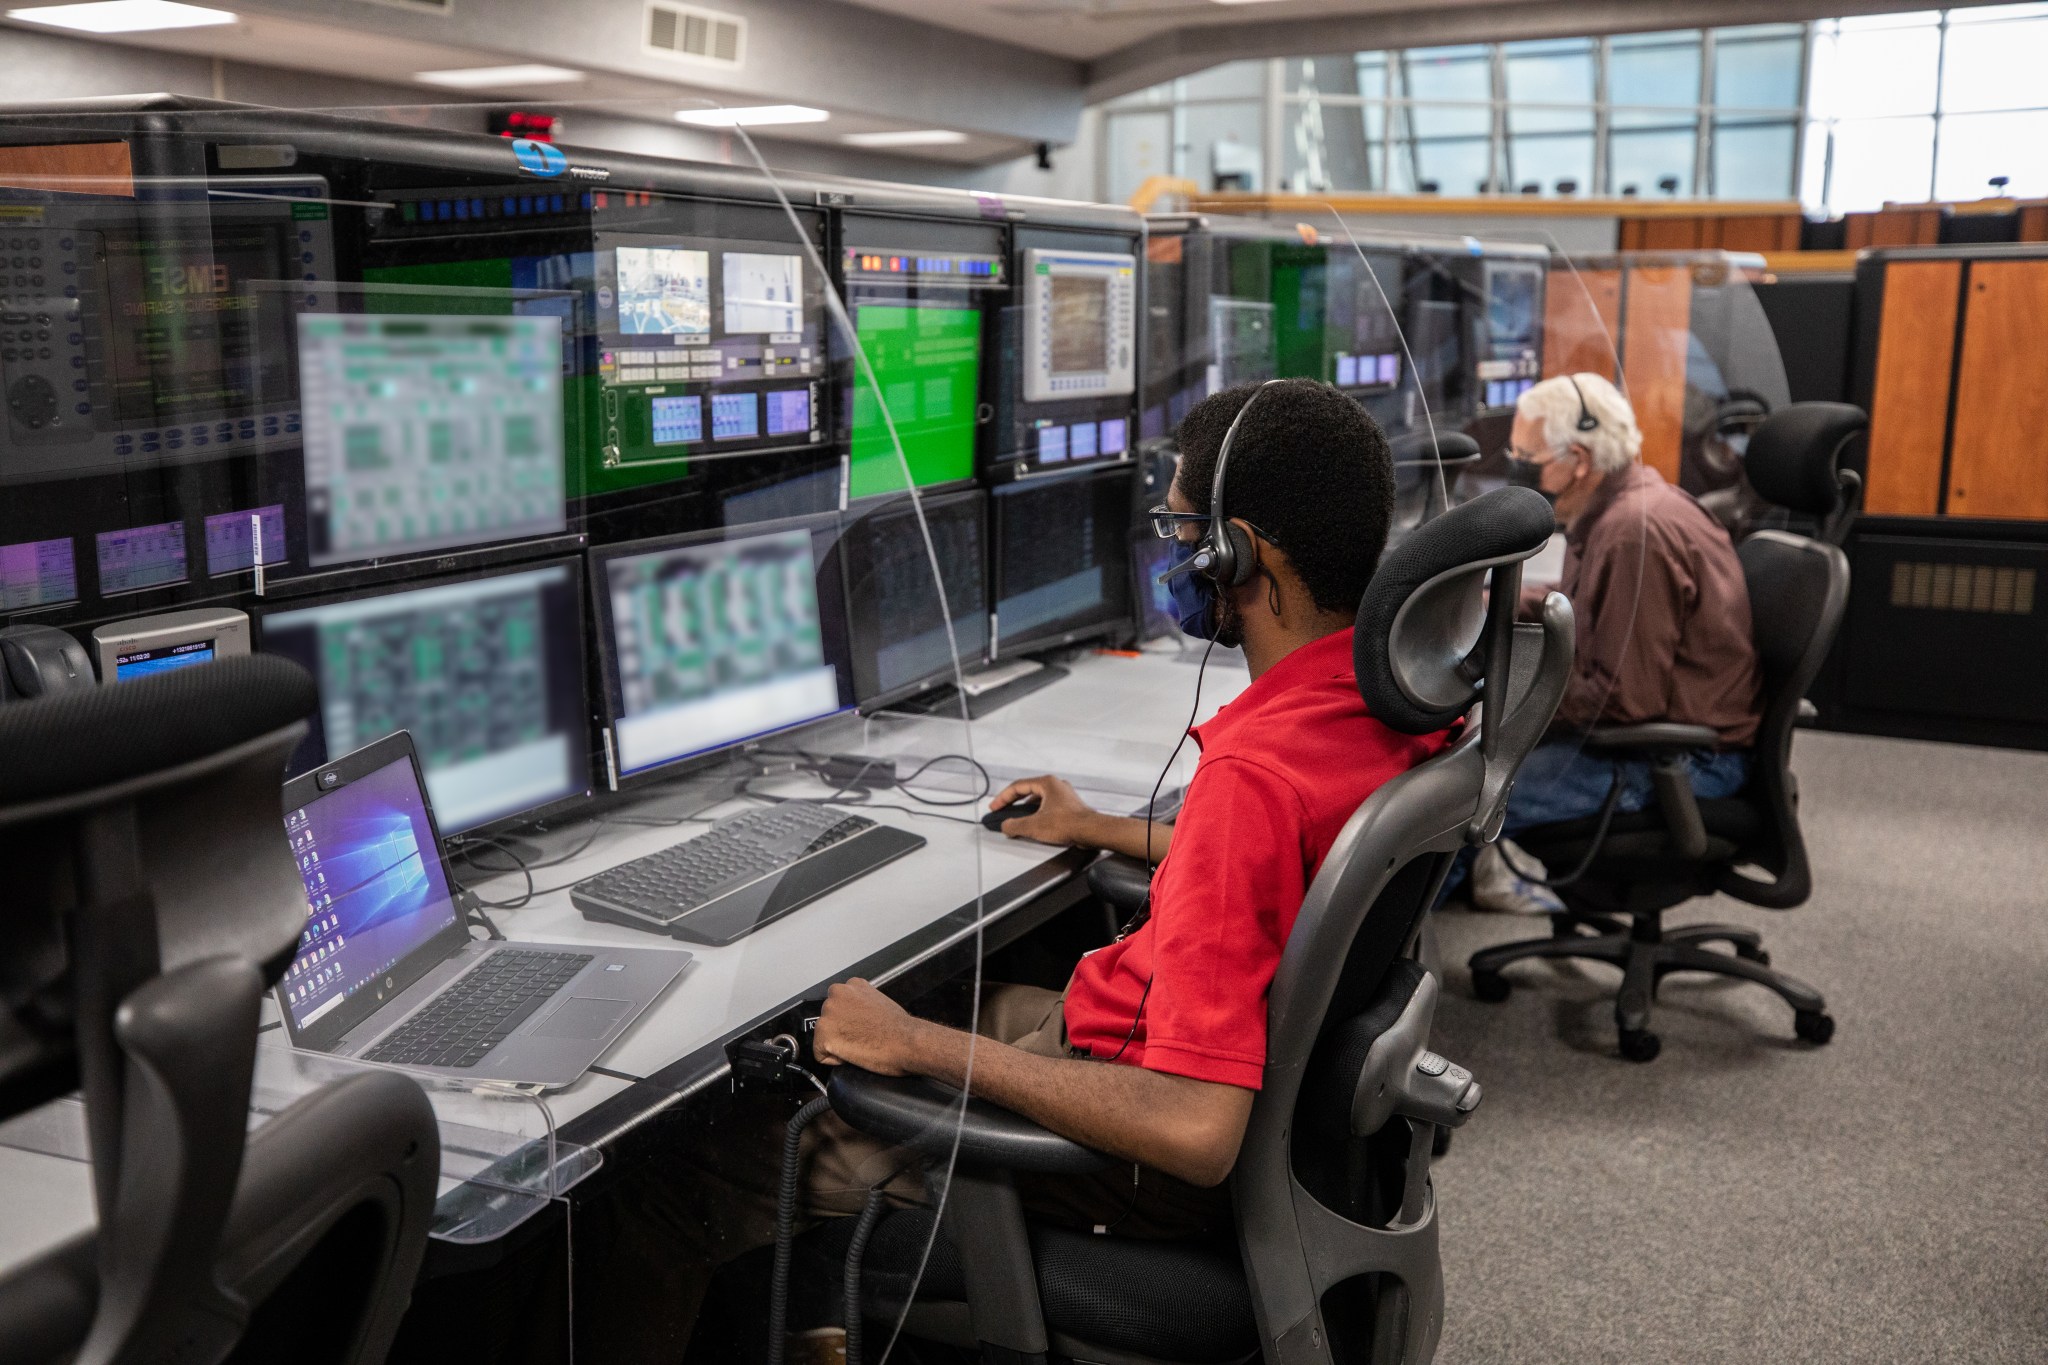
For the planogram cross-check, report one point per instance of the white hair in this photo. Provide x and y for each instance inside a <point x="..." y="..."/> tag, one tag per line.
<point x="1615" y="443"/>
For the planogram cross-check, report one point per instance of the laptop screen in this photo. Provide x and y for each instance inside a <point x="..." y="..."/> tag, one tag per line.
<point x="376" y="894"/>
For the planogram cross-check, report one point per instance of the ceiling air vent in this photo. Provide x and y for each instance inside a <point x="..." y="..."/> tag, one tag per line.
<point x="700" y="34"/>
<point x="430" y="6"/>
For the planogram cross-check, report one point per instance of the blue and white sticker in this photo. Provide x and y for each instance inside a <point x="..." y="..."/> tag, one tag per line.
<point x="538" y="157"/>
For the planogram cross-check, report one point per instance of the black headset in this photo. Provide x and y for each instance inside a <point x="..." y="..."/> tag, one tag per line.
<point x="1225" y="553"/>
<point x="1587" y="421"/>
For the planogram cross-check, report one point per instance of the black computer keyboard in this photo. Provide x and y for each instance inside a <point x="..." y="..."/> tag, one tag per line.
<point x="479" y="1011"/>
<point x="742" y="873"/>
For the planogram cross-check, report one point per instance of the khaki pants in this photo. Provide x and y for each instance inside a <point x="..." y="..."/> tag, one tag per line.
<point x="716" y="1202"/>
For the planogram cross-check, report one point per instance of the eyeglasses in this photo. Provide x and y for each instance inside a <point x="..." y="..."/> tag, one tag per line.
<point x="1166" y="522"/>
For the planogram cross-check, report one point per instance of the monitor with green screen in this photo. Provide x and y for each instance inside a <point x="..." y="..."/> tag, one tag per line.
<point x="927" y="361"/>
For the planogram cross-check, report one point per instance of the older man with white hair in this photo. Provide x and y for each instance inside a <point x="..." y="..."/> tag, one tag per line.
<point x="1663" y="626"/>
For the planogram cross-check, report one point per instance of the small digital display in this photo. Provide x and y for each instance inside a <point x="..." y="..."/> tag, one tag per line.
<point x="140" y="662"/>
<point x="734" y="416"/>
<point x="763" y="293"/>
<point x="1080" y="324"/>
<point x="1347" y="371"/>
<point x="1116" y="437"/>
<point x="1081" y="439"/>
<point x="231" y="544"/>
<point x="678" y="421"/>
<point x="37" y="573"/>
<point x="142" y="557"/>
<point x="664" y="291"/>
<point x="1390" y="368"/>
<point x="789" y="411"/>
<point x="1052" y="445"/>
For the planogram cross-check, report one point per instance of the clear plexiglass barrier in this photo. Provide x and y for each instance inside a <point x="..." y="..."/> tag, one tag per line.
<point x="721" y="542"/>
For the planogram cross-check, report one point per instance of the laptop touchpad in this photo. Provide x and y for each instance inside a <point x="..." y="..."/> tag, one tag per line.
<point x="583" y="1018"/>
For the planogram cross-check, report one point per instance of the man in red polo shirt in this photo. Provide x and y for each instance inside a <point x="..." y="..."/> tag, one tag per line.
<point x="1158" y="1045"/>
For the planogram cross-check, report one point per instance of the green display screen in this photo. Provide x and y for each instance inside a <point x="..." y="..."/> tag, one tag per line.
<point x="927" y="362"/>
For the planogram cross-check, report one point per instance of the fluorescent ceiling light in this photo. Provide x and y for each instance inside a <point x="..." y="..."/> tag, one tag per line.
<point x="123" y="16"/>
<point x="487" y="77"/>
<point x="1244" y="2"/>
<point x="756" y="116"/>
<point x="915" y="137"/>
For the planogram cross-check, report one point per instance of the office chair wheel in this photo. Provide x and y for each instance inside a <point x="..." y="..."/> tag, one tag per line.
<point x="1760" y="956"/>
<point x="1640" y="1045"/>
<point x="1814" y="1026"/>
<point x="1491" y="987"/>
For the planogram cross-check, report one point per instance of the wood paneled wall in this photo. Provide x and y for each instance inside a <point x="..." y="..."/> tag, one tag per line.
<point x="69" y="168"/>
<point x="1712" y="232"/>
<point x="1581" y="321"/>
<point x="1998" y="455"/>
<point x="1909" y="400"/>
<point x="1657" y="312"/>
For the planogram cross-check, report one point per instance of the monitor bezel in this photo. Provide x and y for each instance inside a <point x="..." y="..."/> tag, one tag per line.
<point x="858" y="512"/>
<point x="303" y="791"/>
<point x="1113" y="624"/>
<point x="832" y="632"/>
<point x="574" y="563"/>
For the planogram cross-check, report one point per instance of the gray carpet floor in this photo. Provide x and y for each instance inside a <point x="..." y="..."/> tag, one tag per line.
<point x="1746" y="1197"/>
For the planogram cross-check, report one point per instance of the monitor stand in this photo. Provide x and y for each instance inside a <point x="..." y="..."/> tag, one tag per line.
<point x="988" y="689"/>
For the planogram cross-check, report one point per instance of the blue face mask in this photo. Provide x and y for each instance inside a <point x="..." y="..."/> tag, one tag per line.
<point x="1194" y="603"/>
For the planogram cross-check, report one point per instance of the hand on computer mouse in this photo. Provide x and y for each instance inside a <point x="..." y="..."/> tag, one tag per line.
<point x="1055" y="814"/>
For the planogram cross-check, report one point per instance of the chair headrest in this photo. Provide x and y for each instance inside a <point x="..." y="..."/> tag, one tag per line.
<point x="71" y="742"/>
<point x="1424" y="609"/>
<point x="1793" y="455"/>
<point x="1420" y="447"/>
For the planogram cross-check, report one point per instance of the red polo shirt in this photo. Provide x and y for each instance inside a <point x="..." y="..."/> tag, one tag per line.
<point x="1282" y="768"/>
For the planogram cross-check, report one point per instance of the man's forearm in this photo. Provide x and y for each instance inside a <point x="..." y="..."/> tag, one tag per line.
<point x="1126" y="1111"/>
<point x="1125" y="834"/>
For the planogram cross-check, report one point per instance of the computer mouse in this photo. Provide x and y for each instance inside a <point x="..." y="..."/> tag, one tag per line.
<point x="1023" y="806"/>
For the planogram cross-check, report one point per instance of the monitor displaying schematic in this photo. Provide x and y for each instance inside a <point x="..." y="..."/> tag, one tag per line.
<point x="430" y="433"/>
<point x="706" y="642"/>
<point x="486" y="672"/>
<point x="1080" y="316"/>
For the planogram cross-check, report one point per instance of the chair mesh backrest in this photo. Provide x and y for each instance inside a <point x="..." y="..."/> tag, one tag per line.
<point x="1794" y="454"/>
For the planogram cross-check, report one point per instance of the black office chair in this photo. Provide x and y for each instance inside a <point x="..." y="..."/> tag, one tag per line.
<point x="1427" y="466"/>
<point x="152" y="898"/>
<point x="1794" y="459"/>
<point x="1337" y="1256"/>
<point x="1680" y="847"/>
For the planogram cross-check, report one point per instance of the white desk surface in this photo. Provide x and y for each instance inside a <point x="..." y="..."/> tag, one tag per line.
<point x="1108" y="728"/>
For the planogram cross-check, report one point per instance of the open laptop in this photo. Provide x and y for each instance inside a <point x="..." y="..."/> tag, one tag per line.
<point x="386" y="970"/>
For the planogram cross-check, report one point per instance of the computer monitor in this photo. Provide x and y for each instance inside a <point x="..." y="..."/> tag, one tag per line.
<point x="896" y="632"/>
<point x="485" y="671"/>
<point x="1062" y="565"/>
<point x="427" y="432"/>
<point x="708" y="641"/>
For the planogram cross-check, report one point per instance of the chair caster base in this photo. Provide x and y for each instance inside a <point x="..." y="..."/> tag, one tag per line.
<point x="1760" y="956"/>
<point x="1814" y="1026"/>
<point x="1491" y="987"/>
<point x="1640" y="1045"/>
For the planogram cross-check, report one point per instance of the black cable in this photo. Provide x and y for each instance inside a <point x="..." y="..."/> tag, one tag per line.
<point x="870" y="1214"/>
<point x="1607" y="809"/>
<point x="785" y="1224"/>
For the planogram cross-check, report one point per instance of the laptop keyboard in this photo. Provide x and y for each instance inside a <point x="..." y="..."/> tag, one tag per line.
<point x="663" y="887"/>
<point x="480" y="1010"/>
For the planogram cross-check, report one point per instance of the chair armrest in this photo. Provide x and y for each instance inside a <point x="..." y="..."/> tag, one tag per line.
<point x="923" y="1115"/>
<point x="1653" y="736"/>
<point x="1120" y="883"/>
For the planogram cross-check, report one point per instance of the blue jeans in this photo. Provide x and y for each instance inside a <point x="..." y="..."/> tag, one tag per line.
<point x="1559" y="781"/>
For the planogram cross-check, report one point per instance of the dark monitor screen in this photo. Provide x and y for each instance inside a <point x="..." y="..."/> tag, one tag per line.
<point x="896" y="632"/>
<point x="485" y="672"/>
<point x="1062" y="567"/>
<point x="708" y="642"/>
<point x="1514" y="304"/>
